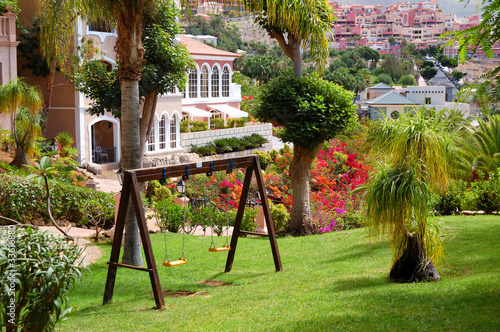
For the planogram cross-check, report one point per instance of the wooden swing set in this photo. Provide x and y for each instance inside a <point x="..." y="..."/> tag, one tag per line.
<point x="130" y="191"/>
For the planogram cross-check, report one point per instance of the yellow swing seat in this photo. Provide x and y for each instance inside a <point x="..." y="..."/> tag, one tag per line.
<point x="223" y="248"/>
<point x="180" y="261"/>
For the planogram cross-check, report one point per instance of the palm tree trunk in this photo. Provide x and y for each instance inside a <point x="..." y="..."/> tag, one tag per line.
<point x="300" y="220"/>
<point x="414" y="265"/>
<point x="131" y="159"/>
<point x="20" y="159"/>
<point x="48" y="95"/>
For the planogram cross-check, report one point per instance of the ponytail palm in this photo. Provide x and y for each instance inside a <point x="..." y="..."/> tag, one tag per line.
<point x="418" y="148"/>
<point x="23" y="102"/>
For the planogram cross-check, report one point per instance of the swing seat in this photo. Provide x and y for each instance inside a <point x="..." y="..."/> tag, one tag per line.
<point x="180" y="261"/>
<point x="223" y="248"/>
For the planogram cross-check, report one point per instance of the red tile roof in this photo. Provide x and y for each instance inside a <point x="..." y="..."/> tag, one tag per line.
<point x="196" y="47"/>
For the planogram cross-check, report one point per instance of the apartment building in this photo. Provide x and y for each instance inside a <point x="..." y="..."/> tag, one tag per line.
<point x="421" y="23"/>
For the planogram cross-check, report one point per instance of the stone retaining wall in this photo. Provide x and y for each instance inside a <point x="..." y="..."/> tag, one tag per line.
<point x="204" y="137"/>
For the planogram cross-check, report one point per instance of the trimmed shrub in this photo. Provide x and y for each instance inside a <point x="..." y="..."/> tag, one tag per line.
<point x="218" y="123"/>
<point x="24" y="200"/>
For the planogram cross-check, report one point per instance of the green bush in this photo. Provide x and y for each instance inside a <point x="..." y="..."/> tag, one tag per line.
<point x="384" y="78"/>
<point x="451" y="201"/>
<point x="24" y="200"/>
<point x="170" y="216"/>
<point x="218" y="123"/>
<point x="264" y="159"/>
<point x="64" y="139"/>
<point x="187" y="126"/>
<point x="199" y="125"/>
<point x="37" y="272"/>
<point x="240" y="122"/>
<point x="407" y="80"/>
<point x="184" y="126"/>
<point x="231" y="122"/>
<point x="248" y="221"/>
<point x="281" y="217"/>
<point x="486" y="193"/>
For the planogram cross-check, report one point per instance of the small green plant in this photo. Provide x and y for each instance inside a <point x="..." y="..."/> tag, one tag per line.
<point x="240" y="122"/>
<point x="6" y="139"/>
<point x="218" y="123"/>
<point x="43" y="173"/>
<point x="64" y="139"/>
<point x="248" y="222"/>
<point x="231" y="123"/>
<point x="37" y="272"/>
<point x="96" y="212"/>
<point x="222" y="145"/>
<point x="264" y="159"/>
<point x="204" y="150"/>
<point x="281" y="217"/>
<point x="451" y="201"/>
<point x="69" y="152"/>
<point x="187" y="126"/>
<point x="170" y="216"/>
<point x="184" y="126"/>
<point x="199" y="125"/>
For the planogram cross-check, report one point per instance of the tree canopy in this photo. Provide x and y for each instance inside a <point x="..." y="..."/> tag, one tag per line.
<point x="310" y="109"/>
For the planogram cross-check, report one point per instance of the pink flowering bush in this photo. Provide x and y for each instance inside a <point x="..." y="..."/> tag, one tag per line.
<point x="334" y="176"/>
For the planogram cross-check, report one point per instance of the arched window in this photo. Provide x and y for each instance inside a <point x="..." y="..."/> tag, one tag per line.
<point x="215" y="82"/>
<point x="162" y="129"/>
<point x="173" y="132"/>
<point x="225" y="82"/>
<point x="151" y="141"/>
<point x="193" y="83"/>
<point x="204" y="82"/>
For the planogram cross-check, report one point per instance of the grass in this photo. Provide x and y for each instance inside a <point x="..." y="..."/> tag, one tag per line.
<point x="330" y="282"/>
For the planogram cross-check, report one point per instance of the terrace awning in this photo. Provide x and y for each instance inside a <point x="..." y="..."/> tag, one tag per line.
<point x="232" y="112"/>
<point x="196" y="112"/>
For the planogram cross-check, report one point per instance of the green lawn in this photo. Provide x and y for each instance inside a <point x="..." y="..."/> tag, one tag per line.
<point x="330" y="282"/>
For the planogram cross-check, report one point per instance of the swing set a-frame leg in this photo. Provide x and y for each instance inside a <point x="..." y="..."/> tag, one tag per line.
<point x="267" y="215"/>
<point x="130" y="191"/>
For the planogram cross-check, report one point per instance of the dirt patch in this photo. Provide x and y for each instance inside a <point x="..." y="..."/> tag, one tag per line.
<point x="169" y="293"/>
<point x="214" y="283"/>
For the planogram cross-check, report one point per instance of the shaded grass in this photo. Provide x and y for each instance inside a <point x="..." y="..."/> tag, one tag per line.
<point x="330" y="282"/>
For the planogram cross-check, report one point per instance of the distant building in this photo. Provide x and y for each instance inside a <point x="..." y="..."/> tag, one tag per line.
<point x="392" y="102"/>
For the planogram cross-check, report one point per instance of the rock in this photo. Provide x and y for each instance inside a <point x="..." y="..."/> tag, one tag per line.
<point x="94" y="168"/>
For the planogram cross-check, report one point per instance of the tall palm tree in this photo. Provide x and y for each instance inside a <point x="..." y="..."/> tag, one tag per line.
<point x="23" y="102"/>
<point x="419" y="148"/>
<point x="128" y="15"/>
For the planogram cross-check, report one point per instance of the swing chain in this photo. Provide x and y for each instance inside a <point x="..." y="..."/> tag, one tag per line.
<point x="165" y="225"/>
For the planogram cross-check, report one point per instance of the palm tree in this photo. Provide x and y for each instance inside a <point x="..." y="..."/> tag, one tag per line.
<point x="60" y="15"/>
<point x="484" y="150"/>
<point x="296" y="25"/>
<point x="23" y="102"/>
<point x="419" y="148"/>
